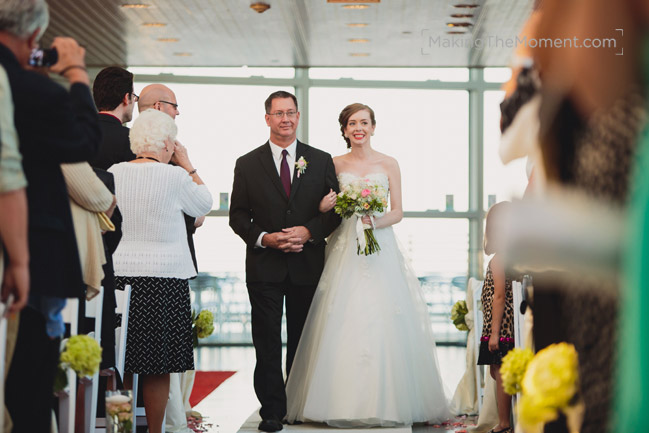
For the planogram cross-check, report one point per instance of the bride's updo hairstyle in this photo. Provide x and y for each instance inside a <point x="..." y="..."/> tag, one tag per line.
<point x="348" y="112"/>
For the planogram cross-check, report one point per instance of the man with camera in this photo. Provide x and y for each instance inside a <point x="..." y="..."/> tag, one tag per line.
<point x="54" y="126"/>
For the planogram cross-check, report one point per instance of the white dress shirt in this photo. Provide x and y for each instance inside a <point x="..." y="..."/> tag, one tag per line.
<point x="277" y="159"/>
<point x="277" y="156"/>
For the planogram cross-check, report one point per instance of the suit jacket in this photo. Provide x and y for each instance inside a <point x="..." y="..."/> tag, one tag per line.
<point x="115" y="146"/>
<point x="259" y="204"/>
<point x="54" y="126"/>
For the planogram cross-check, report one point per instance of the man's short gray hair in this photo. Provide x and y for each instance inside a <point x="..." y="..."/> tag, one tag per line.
<point x="150" y="130"/>
<point x="22" y="17"/>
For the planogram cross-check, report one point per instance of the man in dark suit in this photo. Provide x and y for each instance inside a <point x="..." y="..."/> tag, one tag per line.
<point x="115" y="100"/>
<point x="274" y="209"/>
<point x="114" y="97"/>
<point x="54" y="126"/>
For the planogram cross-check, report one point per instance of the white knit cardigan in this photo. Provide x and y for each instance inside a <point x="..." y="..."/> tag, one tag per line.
<point x="152" y="198"/>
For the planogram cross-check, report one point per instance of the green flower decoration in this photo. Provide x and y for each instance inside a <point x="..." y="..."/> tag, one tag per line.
<point x="82" y="354"/>
<point x="202" y="325"/>
<point x="458" y="312"/>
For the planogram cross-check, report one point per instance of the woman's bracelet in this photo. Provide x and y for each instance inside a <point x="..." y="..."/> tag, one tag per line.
<point x="66" y="69"/>
<point x="193" y="171"/>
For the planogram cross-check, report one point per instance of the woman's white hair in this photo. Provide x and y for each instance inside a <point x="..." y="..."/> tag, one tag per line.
<point x="22" y="17"/>
<point x="150" y="130"/>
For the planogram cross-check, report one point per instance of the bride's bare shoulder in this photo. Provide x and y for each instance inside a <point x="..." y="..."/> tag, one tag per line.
<point x="340" y="161"/>
<point x="387" y="161"/>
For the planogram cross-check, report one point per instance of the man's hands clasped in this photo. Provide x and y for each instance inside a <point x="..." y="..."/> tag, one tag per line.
<point x="289" y="240"/>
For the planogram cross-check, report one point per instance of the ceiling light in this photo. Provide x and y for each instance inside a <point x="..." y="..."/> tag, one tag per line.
<point x="459" y="24"/>
<point x="135" y="6"/>
<point x="153" y="25"/>
<point x="353" y="1"/>
<point x="461" y="15"/>
<point x="406" y="32"/>
<point x="359" y="54"/>
<point x="260" y="7"/>
<point x="358" y="40"/>
<point x="183" y="54"/>
<point x="462" y="6"/>
<point x="357" y="24"/>
<point x="168" y="39"/>
<point x="356" y="6"/>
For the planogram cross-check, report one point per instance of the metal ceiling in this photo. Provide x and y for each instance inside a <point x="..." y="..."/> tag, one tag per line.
<point x="314" y="33"/>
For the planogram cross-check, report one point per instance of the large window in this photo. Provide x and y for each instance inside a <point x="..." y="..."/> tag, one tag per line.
<point x="424" y="123"/>
<point x="425" y="130"/>
<point x="217" y="124"/>
<point x="501" y="182"/>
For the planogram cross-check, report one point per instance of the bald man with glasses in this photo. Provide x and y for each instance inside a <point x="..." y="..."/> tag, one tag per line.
<point x="159" y="97"/>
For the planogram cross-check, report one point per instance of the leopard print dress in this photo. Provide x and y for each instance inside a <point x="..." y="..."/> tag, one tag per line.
<point x="506" y="326"/>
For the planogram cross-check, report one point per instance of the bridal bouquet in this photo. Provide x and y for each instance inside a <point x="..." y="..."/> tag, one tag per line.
<point x="359" y="198"/>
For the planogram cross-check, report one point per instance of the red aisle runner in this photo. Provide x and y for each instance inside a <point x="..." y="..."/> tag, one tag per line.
<point x="206" y="382"/>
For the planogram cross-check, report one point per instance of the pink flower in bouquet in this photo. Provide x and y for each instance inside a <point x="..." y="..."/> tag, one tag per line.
<point x="365" y="193"/>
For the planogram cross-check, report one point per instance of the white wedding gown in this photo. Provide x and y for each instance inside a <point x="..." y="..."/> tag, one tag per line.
<point x="367" y="354"/>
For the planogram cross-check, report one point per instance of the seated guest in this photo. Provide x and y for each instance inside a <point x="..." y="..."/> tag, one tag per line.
<point x="54" y="126"/>
<point x="153" y="256"/>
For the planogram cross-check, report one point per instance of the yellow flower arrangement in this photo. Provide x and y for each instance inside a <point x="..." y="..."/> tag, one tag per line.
<point x="82" y="354"/>
<point x="534" y="416"/>
<point x="513" y="369"/>
<point x="549" y="385"/>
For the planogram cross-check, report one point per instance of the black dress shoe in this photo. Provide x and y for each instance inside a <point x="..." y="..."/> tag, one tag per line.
<point x="270" y="425"/>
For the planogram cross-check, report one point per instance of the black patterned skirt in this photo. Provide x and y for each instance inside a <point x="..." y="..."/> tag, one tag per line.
<point x="159" y="338"/>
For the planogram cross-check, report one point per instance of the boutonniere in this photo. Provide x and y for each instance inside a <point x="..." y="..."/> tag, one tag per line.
<point x="300" y="166"/>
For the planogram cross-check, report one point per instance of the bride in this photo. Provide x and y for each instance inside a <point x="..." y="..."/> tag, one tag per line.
<point x="367" y="354"/>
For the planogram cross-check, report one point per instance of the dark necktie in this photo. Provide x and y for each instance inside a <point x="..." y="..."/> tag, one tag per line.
<point x="285" y="173"/>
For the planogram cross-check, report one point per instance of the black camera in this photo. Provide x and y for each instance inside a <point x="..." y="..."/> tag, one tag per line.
<point x="46" y="57"/>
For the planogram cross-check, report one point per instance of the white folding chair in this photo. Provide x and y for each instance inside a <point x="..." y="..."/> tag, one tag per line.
<point x="517" y="292"/>
<point x="123" y="303"/>
<point x="68" y="397"/>
<point x="476" y="286"/>
<point x="123" y="300"/>
<point x="94" y="309"/>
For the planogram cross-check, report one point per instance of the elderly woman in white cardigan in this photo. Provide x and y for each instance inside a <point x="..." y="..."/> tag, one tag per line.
<point x="153" y="256"/>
